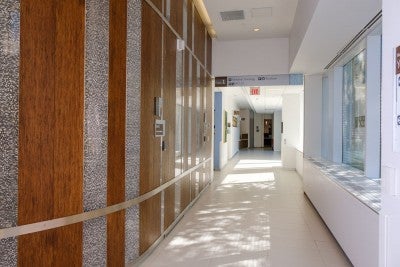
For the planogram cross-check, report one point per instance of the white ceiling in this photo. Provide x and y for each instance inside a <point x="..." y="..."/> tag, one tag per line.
<point x="275" y="22"/>
<point x="333" y="25"/>
<point x="269" y="100"/>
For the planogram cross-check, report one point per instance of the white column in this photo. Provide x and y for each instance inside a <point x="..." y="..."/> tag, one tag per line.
<point x="326" y="138"/>
<point x="277" y="130"/>
<point x="312" y="115"/>
<point x="372" y="118"/>
<point x="291" y="129"/>
<point x="390" y="212"/>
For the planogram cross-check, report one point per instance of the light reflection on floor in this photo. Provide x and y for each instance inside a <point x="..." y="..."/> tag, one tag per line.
<point x="251" y="216"/>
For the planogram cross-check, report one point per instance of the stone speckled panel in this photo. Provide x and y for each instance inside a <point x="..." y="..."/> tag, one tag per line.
<point x="8" y="249"/>
<point x="9" y="92"/>
<point x="133" y="99"/>
<point x="96" y="123"/>
<point x="94" y="242"/>
<point x="133" y="106"/>
<point x="132" y="234"/>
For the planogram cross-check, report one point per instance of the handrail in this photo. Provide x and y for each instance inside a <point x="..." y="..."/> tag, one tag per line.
<point x="68" y="220"/>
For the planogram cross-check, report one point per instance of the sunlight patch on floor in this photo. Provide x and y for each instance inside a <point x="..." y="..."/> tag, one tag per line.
<point x="249" y="178"/>
<point x="253" y="163"/>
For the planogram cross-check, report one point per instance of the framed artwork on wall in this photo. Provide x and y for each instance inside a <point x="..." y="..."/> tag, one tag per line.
<point x="234" y="121"/>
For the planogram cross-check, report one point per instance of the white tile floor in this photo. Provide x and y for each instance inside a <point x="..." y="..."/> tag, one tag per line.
<point x="254" y="214"/>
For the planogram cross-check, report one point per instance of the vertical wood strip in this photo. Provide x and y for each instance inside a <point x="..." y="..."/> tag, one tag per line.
<point x="169" y="95"/>
<point x="186" y="110"/>
<point x="202" y="126"/>
<point x="177" y="16"/>
<point x="209" y="130"/>
<point x="190" y="23"/>
<point x="199" y="37"/>
<point x="194" y="130"/>
<point x="150" y="157"/>
<point x="51" y="129"/>
<point x="209" y="53"/>
<point x="185" y="185"/>
<point x="116" y="131"/>
<point x="69" y="113"/>
<point x="37" y="90"/>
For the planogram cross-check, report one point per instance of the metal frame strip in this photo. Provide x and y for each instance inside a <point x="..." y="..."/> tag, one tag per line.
<point x="64" y="221"/>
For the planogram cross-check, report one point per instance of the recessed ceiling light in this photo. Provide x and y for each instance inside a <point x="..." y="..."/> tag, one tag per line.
<point x="256" y="29"/>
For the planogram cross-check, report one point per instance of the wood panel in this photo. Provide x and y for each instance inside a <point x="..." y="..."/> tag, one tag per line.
<point x="176" y="18"/>
<point x="194" y="127"/>
<point x="190" y="24"/>
<point x="185" y="192"/>
<point x="169" y="206"/>
<point x="185" y="185"/>
<point x="158" y="3"/>
<point x="209" y="129"/>
<point x="186" y="113"/>
<point x="51" y="129"/>
<point x="202" y="127"/>
<point x="150" y="156"/>
<point x="199" y="37"/>
<point x="150" y="223"/>
<point x="116" y="131"/>
<point x="209" y="53"/>
<point x="169" y="95"/>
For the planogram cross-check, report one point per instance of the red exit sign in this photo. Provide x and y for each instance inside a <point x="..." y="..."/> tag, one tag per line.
<point x="254" y="90"/>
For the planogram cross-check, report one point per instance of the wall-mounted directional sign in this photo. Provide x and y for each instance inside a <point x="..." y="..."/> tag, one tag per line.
<point x="259" y="80"/>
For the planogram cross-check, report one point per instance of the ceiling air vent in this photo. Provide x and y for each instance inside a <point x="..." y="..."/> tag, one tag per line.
<point x="232" y="15"/>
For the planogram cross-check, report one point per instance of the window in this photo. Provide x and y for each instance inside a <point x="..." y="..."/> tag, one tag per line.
<point x="354" y="106"/>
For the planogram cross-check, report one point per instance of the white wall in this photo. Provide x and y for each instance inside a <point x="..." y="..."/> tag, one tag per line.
<point x="312" y="115"/>
<point x="326" y="133"/>
<point x="277" y="130"/>
<point x="304" y="14"/>
<point x="258" y="134"/>
<point x="354" y="225"/>
<point x="231" y="147"/>
<point x="390" y="211"/>
<point x="291" y="137"/>
<point x="245" y="124"/>
<point x="372" y="116"/>
<point x="250" y="57"/>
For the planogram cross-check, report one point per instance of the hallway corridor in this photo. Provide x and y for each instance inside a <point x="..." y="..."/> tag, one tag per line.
<point x="254" y="214"/>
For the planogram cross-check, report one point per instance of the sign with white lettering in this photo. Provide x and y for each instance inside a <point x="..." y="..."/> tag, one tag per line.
<point x="252" y="80"/>
<point x="221" y="81"/>
<point x="258" y="80"/>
